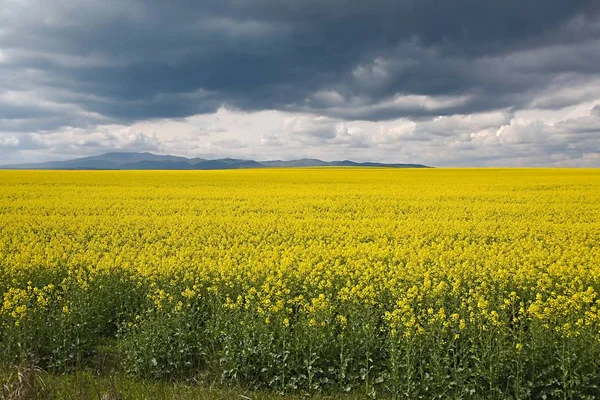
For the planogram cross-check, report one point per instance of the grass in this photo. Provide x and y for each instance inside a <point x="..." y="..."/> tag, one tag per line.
<point x="33" y="383"/>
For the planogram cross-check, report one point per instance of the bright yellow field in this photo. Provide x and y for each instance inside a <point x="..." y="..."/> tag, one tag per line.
<point x="389" y="281"/>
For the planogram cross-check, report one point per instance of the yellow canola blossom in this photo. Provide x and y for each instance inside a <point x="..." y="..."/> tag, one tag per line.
<point x="433" y="253"/>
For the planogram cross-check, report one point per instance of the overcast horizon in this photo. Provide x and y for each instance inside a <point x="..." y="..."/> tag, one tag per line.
<point x="456" y="83"/>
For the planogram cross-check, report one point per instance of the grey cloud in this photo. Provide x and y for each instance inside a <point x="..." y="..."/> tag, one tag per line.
<point x="396" y="78"/>
<point x="20" y="142"/>
<point x="149" y="59"/>
<point x="568" y="91"/>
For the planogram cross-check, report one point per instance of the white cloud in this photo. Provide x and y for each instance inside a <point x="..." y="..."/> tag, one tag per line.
<point x="520" y="131"/>
<point x="374" y="73"/>
<point x="9" y="142"/>
<point x="430" y="103"/>
<point x="565" y="137"/>
<point x="327" y="98"/>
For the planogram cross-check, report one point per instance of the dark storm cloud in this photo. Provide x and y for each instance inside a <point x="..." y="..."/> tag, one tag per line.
<point x="123" y="61"/>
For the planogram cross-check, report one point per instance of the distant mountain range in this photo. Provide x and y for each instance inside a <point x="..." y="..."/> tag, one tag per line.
<point x="149" y="161"/>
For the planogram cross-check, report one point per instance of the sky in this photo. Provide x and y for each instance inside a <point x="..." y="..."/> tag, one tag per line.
<point x="443" y="83"/>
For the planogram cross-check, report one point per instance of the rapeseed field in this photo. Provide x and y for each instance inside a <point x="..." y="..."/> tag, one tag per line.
<point x="429" y="283"/>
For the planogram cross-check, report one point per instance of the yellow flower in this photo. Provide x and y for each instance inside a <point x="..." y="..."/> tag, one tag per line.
<point x="519" y="347"/>
<point x="342" y="320"/>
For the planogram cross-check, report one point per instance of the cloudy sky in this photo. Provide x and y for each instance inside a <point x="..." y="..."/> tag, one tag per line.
<point x="446" y="83"/>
